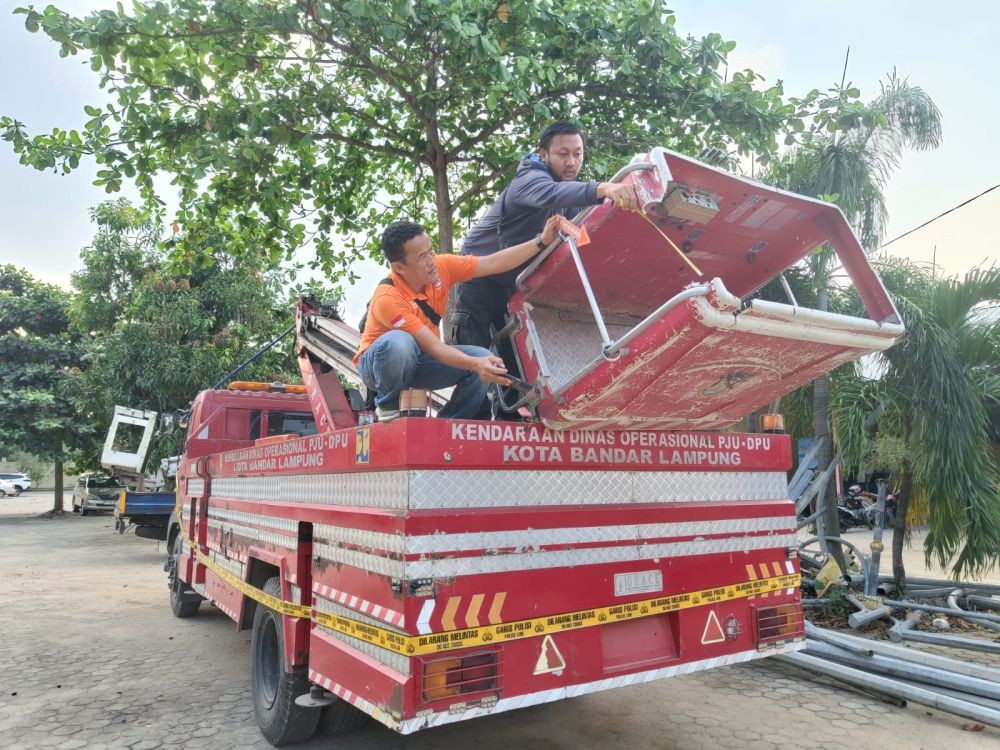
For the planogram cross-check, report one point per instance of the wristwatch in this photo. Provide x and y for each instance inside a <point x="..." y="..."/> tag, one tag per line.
<point x="538" y="242"/>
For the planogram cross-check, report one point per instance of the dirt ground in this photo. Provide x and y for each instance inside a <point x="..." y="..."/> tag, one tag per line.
<point x="91" y="657"/>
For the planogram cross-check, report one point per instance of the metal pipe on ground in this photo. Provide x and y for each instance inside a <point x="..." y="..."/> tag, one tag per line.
<point x="953" y="603"/>
<point x="923" y="696"/>
<point x="907" y="623"/>
<point x="915" y="655"/>
<point x="861" y="649"/>
<point x="952" y="641"/>
<point x="979" y="617"/>
<point x="865" y="615"/>
<point x="985" y="602"/>
<point x="906" y="670"/>
<point x="995" y="705"/>
<point x="942" y="582"/>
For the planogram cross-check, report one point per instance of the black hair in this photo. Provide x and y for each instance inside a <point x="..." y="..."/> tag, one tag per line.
<point x="396" y="235"/>
<point x="560" y="127"/>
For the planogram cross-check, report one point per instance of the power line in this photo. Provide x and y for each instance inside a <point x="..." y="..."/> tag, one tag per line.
<point x="930" y="221"/>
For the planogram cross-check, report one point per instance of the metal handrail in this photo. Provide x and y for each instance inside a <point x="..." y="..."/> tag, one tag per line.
<point x="614" y="349"/>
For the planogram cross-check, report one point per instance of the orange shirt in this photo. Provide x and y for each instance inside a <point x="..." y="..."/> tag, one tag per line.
<point x="392" y="307"/>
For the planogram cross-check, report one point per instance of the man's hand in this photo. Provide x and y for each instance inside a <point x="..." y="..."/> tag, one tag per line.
<point x="622" y="194"/>
<point x="491" y="369"/>
<point x="551" y="230"/>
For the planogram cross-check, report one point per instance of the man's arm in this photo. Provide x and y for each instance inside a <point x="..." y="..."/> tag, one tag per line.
<point x="512" y="257"/>
<point x="490" y="368"/>
<point x="538" y="189"/>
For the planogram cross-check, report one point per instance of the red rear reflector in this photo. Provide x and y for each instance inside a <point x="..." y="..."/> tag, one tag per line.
<point x="446" y="678"/>
<point x="780" y="623"/>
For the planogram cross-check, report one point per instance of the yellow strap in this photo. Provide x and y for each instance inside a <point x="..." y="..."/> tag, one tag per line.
<point x="416" y="645"/>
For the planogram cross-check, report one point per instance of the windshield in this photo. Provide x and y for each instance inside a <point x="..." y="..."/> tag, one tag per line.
<point x="102" y="482"/>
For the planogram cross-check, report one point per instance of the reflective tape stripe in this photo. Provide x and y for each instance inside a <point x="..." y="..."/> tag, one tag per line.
<point x="416" y="645"/>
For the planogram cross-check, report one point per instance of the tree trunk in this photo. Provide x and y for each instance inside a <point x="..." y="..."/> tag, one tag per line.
<point x="821" y="426"/>
<point x="442" y="202"/>
<point x="899" y="522"/>
<point x="57" y="508"/>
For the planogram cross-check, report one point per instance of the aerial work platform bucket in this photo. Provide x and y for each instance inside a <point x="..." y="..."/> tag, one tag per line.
<point x="644" y="321"/>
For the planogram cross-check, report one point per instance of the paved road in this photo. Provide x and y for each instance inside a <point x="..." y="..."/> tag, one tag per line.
<point x="90" y="657"/>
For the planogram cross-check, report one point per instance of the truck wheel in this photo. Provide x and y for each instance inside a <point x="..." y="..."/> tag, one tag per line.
<point x="341" y="717"/>
<point x="178" y="605"/>
<point x="274" y="688"/>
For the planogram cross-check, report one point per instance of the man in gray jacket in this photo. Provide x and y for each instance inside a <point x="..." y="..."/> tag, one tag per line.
<point x="545" y="184"/>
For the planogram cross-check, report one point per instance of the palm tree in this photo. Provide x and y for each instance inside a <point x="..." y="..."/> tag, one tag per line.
<point x="850" y="164"/>
<point x="938" y="392"/>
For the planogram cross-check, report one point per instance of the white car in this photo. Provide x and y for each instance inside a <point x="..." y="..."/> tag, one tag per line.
<point x="14" y="484"/>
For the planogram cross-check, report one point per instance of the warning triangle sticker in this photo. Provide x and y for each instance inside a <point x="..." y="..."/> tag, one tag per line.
<point x="549" y="660"/>
<point x="713" y="631"/>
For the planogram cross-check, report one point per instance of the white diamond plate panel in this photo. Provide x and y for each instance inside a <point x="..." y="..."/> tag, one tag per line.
<point x="359" y="537"/>
<point x="374" y="563"/>
<point x="571" y="342"/>
<point x="446" y="568"/>
<point x="282" y="524"/>
<point x="492" y="489"/>
<point x="233" y="566"/>
<point x="535" y="538"/>
<point x="506" y="488"/>
<point x="196" y="486"/>
<point x="386" y="489"/>
<point x="270" y="537"/>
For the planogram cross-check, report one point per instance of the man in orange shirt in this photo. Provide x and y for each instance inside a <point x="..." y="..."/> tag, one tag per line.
<point x="401" y="347"/>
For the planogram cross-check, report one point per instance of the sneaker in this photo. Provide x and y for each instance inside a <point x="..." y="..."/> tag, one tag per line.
<point x="385" y="415"/>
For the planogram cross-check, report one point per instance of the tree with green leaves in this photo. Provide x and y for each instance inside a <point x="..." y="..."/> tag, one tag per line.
<point x="40" y="412"/>
<point x="929" y="415"/>
<point x="849" y="159"/>
<point x="293" y="120"/>
<point x="156" y="338"/>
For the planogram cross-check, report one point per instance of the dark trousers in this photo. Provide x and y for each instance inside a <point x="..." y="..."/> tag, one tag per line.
<point x="480" y="311"/>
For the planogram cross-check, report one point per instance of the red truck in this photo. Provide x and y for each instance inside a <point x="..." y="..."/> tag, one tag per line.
<point x="424" y="571"/>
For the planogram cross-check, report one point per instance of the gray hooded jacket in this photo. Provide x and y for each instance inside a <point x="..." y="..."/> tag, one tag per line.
<point x="520" y="212"/>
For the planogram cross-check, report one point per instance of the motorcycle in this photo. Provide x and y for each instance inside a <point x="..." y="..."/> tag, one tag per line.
<point x="888" y="515"/>
<point x="851" y="509"/>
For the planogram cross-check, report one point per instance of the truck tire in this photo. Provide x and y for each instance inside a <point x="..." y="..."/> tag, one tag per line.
<point x="340" y="718"/>
<point x="178" y="604"/>
<point x="274" y="688"/>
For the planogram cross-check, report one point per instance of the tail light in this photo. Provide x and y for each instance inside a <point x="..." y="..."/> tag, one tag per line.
<point x="447" y="678"/>
<point x="780" y="623"/>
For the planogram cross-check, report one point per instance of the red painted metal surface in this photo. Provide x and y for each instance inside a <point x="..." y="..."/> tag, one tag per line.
<point x="711" y="358"/>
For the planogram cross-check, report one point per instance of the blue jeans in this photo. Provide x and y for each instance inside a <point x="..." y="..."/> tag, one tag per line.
<point x="395" y="362"/>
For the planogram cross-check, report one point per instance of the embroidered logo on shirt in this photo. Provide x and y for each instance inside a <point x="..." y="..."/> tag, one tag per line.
<point x="398" y="321"/>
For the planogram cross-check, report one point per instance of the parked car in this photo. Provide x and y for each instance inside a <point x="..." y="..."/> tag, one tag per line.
<point x="14" y="484"/>
<point x="94" y="492"/>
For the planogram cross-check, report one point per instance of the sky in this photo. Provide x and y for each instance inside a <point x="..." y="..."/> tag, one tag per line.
<point x="948" y="50"/>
